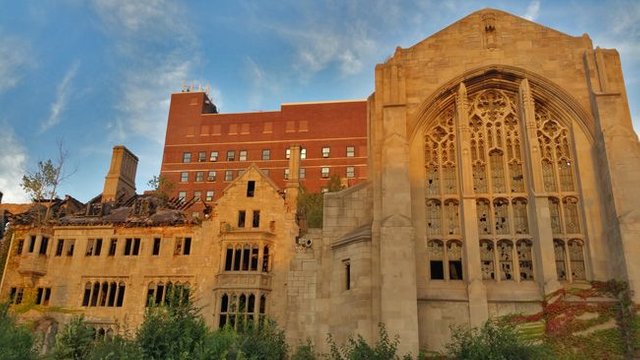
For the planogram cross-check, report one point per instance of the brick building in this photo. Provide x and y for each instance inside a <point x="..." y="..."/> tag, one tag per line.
<point x="204" y="150"/>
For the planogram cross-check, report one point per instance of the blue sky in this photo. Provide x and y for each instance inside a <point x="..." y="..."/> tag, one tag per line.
<point x="98" y="73"/>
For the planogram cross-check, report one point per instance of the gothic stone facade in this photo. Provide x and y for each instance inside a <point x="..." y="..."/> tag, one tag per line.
<point x="502" y="166"/>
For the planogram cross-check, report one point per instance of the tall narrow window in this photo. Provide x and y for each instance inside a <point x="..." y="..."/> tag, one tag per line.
<point x="576" y="259"/>
<point x="256" y="219"/>
<point x="32" y="243"/>
<point x="156" y="247"/>
<point x="265" y="259"/>
<point x="20" y="247"/>
<point x="224" y="308"/>
<point x="254" y="258"/>
<point x="242" y="214"/>
<point x="127" y="246"/>
<point x="454" y="256"/>
<point x="561" y="269"/>
<point x="44" y="244"/>
<point x="505" y="255"/>
<point x="525" y="261"/>
<point x="436" y="259"/>
<point x="347" y="274"/>
<point x="434" y="217"/>
<point x="187" y="246"/>
<point x="251" y="188"/>
<point x="120" y="299"/>
<point x="228" y="259"/>
<point x="112" y="247"/>
<point x="59" y="247"/>
<point x="70" y="246"/>
<point x="136" y="247"/>
<point x="487" y="260"/>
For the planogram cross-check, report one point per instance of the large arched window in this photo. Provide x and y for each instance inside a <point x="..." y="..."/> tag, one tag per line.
<point x="502" y="187"/>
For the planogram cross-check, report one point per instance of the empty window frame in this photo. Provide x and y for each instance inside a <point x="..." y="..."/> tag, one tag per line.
<point x="242" y="257"/>
<point x="347" y="274"/>
<point x="43" y="296"/>
<point x="16" y="295"/>
<point x="32" y="243"/>
<point x="351" y="151"/>
<point x="94" y="247"/>
<point x="183" y="246"/>
<point x="186" y="157"/>
<point x="213" y="156"/>
<point x="242" y="155"/>
<point x="441" y="255"/>
<point x="167" y="294"/>
<point x="184" y="176"/>
<point x="251" y="188"/>
<point x="19" y="247"/>
<point x="240" y="310"/>
<point x="266" y="154"/>
<point x="324" y="172"/>
<point x="113" y="244"/>
<point x="231" y="155"/>
<point x="326" y="151"/>
<point x="242" y="214"/>
<point x="71" y="244"/>
<point x="107" y="293"/>
<point x="199" y="176"/>
<point x="44" y="244"/>
<point x="156" y="247"/>
<point x="132" y="247"/>
<point x="256" y="219"/>
<point x="59" y="247"/>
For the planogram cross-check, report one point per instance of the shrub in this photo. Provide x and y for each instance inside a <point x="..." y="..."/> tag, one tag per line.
<point x="494" y="341"/>
<point x="16" y="342"/>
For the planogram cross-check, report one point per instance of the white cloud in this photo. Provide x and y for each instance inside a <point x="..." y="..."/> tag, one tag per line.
<point x="14" y="58"/>
<point x="12" y="166"/>
<point x="60" y="103"/>
<point x="532" y="10"/>
<point x="148" y="18"/>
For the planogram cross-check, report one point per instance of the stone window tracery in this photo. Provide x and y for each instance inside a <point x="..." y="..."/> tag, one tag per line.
<point x="576" y="259"/>
<point x="237" y="310"/>
<point x="451" y="255"/>
<point x="487" y="260"/>
<point x="525" y="260"/>
<point x="559" y="252"/>
<point x="505" y="258"/>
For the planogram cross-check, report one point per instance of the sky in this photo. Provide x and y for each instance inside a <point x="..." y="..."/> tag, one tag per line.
<point x="91" y="74"/>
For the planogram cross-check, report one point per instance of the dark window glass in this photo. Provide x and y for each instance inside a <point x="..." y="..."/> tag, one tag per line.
<point x="437" y="270"/>
<point x="156" y="246"/>
<point x="251" y="188"/>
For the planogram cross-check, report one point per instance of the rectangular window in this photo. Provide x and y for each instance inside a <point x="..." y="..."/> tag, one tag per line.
<point x="303" y="153"/>
<point x="20" y="247"/>
<point x="325" y="151"/>
<point x="228" y="175"/>
<point x="302" y="173"/>
<point x="231" y="155"/>
<point x="202" y="156"/>
<point x="437" y="269"/>
<point x="184" y="176"/>
<point x="351" y="151"/>
<point x="182" y="195"/>
<point x="70" y="247"/>
<point x="98" y="248"/>
<point x="156" y="247"/>
<point x="286" y="174"/>
<point x="59" y="247"/>
<point x="43" y="296"/>
<point x="15" y="295"/>
<point x="211" y="176"/>
<point x="213" y="156"/>
<point x="351" y="172"/>
<point x="251" y="188"/>
<point x="228" y="260"/>
<point x="324" y="172"/>
<point x="197" y="195"/>
<point x="266" y="154"/>
<point x="90" y="245"/>
<point x="136" y="247"/>
<point x="94" y="247"/>
<point x="256" y="219"/>
<point x="183" y="246"/>
<point x="287" y="153"/>
<point x="127" y="246"/>
<point x="242" y="156"/>
<point x="199" y="176"/>
<point x="112" y="247"/>
<point x="347" y="274"/>
<point x="32" y="243"/>
<point x="241" y="218"/>
<point x="44" y="244"/>
<point x="186" y="157"/>
<point x="209" y="195"/>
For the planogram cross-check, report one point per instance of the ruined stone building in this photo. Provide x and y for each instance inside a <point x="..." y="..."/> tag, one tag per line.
<point x="502" y="166"/>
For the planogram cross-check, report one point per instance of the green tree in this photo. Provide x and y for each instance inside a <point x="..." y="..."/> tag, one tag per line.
<point x="494" y="341"/>
<point x="357" y="348"/>
<point x="75" y="341"/>
<point x="161" y="185"/>
<point x="171" y="332"/>
<point x="16" y="342"/>
<point x="116" y="348"/>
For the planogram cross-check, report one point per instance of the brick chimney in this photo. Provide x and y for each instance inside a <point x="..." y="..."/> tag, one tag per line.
<point x="121" y="178"/>
<point x="293" y="183"/>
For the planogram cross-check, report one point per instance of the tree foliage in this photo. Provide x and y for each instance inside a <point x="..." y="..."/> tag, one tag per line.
<point x="75" y="341"/>
<point x="161" y="185"/>
<point x="310" y="204"/>
<point x="16" y="342"/>
<point x="493" y="341"/>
